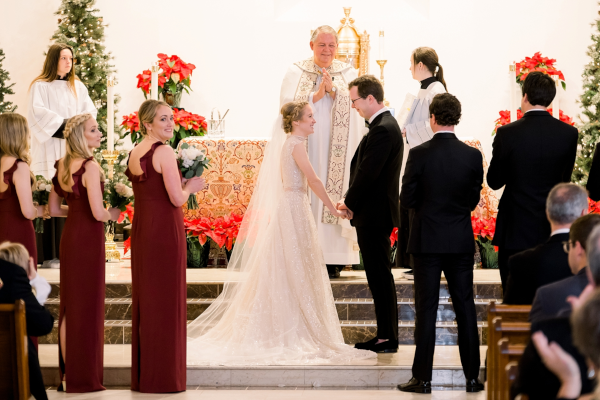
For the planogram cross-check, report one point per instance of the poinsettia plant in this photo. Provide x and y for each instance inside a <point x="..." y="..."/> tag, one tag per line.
<point x="504" y="118"/>
<point x="186" y="124"/>
<point x="540" y="64"/>
<point x="176" y="75"/>
<point x="593" y="206"/>
<point x="221" y="230"/>
<point x="483" y="231"/>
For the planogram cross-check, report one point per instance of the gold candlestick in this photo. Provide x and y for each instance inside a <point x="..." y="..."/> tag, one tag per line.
<point x="110" y="247"/>
<point x="110" y="156"/>
<point x="381" y="65"/>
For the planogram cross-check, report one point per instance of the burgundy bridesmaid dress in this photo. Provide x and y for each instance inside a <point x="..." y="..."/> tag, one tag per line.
<point x="158" y="263"/>
<point x="82" y="289"/>
<point x="14" y="227"/>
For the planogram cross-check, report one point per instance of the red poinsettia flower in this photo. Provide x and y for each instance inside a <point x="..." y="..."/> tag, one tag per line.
<point x="394" y="236"/>
<point x="174" y="67"/>
<point x="537" y="63"/>
<point x="593" y="206"/>
<point x="505" y="118"/>
<point x="131" y="122"/>
<point x="127" y="245"/>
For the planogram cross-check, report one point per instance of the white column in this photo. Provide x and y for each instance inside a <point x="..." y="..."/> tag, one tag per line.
<point x="110" y="114"/>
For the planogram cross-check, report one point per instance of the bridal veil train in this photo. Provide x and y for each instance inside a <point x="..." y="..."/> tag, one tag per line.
<point x="277" y="305"/>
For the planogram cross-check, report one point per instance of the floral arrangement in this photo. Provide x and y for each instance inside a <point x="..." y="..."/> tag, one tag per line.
<point x="483" y="231"/>
<point x="394" y="237"/>
<point x="117" y="194"/>
<point x="483" y="227"/>
<point x="221" y="230"/>
<point x="129" y="211"/>
<point x="593" y="206"/>
<point x="505" y="118"/>
<point x="191" y="163"/>
<point x="538" y="63"/>
<point x="175" y="76"/>
<point x="186" y="124"/>
<point x="41" y="192"/>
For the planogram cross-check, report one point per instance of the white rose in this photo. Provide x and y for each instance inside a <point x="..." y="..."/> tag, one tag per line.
<point x="48" y="188"/>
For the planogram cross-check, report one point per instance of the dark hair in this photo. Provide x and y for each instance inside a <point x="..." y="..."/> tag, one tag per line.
<point x="430" y="59"/>
<point x="565" y="203"/>
<point x="446" y="109"/>
<point x="539" y="88"/>
<point x="368" y="85"/>
<point x="582" y="228"/>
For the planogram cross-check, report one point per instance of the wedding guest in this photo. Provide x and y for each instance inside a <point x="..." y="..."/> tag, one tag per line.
<point x="158" y="256"/>
<point x="16" y="202"/>
<point x="442" y="184"/>
<point x="547" y="262"/>
<point x="14" y="262"/>
<point x="530" y="156"/>
<point x="425" y="67"/>
<point x="54" y="96"/>
<point x="79" y="180"/>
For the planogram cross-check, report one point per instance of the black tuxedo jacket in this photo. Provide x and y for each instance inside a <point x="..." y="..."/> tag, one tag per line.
<point x="534" y="379"/>
<point x="38" y="319"/>
<point x="551" y="300"/>
<point x="533" y="268"/>
<point x="442" y="183"/>
<point x="375" y="175"/>
<point x="593" y="183"/>
<point x="530" y="156"/>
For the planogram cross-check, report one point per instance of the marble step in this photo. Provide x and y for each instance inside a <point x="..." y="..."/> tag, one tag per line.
<point x="389" y="370"/>
<point x="341" y="289"/>
<point x="354" y="331"/>
<point x="348" y="309"/>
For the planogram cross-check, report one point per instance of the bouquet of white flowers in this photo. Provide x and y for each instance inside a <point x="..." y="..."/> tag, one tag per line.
<point x="117" y="194"/>
<point x="41" y="192"/>
<point x="191" y="163"/>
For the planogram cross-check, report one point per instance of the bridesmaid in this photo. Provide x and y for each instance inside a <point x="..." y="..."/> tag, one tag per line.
<point x="80" y="180"/>
<point x="16" y="200"/>
<point x="158" y="256"/>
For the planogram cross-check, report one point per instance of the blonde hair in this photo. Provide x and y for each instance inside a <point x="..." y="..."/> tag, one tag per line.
<point x="147" y="112"/>
<point x="15" y="253"/>
<point x="323" y="29"/>
<point x="14" y="138"/>
<point x="291" y="112"/>
<point x="77" y="145"/>
<point x="50" y="70"/>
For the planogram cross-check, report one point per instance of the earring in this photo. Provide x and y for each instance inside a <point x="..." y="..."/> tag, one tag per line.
<point x="591" y="373"/>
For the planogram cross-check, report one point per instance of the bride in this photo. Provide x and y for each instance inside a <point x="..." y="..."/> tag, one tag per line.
<point x="276" y="306"/>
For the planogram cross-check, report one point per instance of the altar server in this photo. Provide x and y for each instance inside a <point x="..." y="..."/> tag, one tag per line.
<point x="54" y="96"/>
<point x="322" y="81"/>
<point x="425" y="67"/>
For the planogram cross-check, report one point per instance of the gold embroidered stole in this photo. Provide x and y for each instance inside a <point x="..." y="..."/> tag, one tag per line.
<point x="340" y="126"/>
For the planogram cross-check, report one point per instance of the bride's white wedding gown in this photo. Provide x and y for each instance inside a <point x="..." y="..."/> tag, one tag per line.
<point x="280" y="309"/>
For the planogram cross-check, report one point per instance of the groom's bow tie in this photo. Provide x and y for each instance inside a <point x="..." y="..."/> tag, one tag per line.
<point x="367" y="125"/>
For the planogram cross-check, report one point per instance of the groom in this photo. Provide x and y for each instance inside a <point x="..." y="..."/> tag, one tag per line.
<point x="372" y="202"/>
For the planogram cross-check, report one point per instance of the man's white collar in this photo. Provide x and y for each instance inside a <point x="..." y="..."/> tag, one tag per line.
<point x="384" y="109"/>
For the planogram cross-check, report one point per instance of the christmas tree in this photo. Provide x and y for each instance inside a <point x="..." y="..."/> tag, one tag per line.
<point x="83" y="30"/>
<point x="589" y="130"/>
<point x="5" y="106"/>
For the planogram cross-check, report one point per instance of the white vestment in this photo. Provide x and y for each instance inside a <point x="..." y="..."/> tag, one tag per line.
<point x="337" y="240"/>
<point x="417" y="125"/>
<point x="50" y="103"/>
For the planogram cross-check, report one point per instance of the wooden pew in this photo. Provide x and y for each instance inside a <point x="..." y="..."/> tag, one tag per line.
<point x="506" y="313"/>
<point x="512" y="370"/>
<point x="14" y="366"/>
<point x="508" y="353"/>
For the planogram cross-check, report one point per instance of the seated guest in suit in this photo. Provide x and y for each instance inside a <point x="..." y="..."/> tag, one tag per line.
<point x="593" y="183"/>
<point x="530" y="156"/>
<point x="551" y="300"/>
<point x="547" y="262"/>
<point x="14" y="261"/>
<point x="442" y="184"/>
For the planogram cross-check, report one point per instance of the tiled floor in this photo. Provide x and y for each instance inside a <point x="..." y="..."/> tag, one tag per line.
<point x="271" y="394"/>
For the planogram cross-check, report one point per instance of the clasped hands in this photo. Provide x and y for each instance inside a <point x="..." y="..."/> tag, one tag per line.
<point x="341" y="206"/>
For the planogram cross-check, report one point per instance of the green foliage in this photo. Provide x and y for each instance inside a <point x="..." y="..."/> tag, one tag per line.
<point x="5" y="88"/>
<point x="589" y="130"/>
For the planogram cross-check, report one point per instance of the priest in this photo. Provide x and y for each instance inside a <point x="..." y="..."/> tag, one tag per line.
<point x="323" y="81"/>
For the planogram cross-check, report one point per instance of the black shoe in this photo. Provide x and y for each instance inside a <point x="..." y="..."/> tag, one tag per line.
<point x="366" y="345"/>
<point x="389" y="346"/>
<point x="415" y="386"/>
<point x="473" y="385"/>
<point x="334" y="270"/>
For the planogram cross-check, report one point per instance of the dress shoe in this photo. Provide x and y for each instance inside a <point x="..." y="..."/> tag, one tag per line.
<point x="415" y="386"/>
<point x="366" y="345"/>
<point x="389" y="346"/>
<point x="334" y="270"/>
<point x="473" y="385"/>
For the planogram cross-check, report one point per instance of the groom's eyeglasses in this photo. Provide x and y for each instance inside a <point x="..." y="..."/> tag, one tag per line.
<point x="356" y="99"/>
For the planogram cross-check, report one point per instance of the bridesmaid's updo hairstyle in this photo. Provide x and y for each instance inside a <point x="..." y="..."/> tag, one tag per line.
<point x="430" y="60"/>
<point x="291" y="112"/>
<point x="14" y="137"/>
<point x="147" y="112"/>
<point x="76" y="144"/>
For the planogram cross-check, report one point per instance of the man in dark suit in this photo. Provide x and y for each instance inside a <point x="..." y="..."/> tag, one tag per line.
<point x="551" y="300"/>
<point x="442" y="184"/>
<point x="372" y="200"/>
<point x="530" y="156"/>
<point x="39" y="321"/>
<point x="547" y="262"/>
<point x="593" y="183"/>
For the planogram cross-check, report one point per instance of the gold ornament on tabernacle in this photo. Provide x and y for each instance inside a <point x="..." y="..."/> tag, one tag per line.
<point x="353" y="48"/>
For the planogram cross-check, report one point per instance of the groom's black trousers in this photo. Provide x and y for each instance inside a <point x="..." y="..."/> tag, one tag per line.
<point x="458" y="270"/>
<point x="374" y="243"/>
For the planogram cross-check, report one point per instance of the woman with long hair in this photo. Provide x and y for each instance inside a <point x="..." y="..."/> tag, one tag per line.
<point x="158" y="256"/>
<point x="54" y="96"/>
<point x="80" y="181"/>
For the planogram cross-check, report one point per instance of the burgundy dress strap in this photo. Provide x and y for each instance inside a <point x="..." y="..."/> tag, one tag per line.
<point x="143" y="164"/>
<point x="8" y="175"/>
<point x="77" y="181"/>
